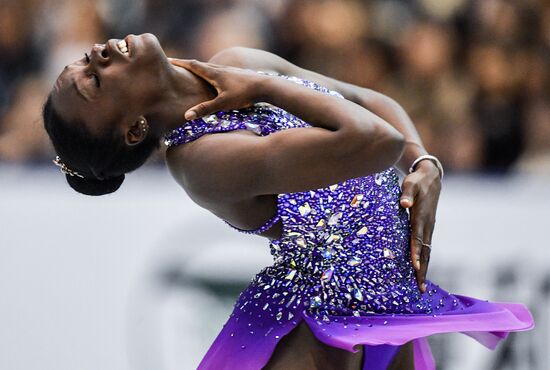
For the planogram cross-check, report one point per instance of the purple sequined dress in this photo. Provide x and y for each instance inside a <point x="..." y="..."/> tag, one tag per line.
<point x="343" y="266"/>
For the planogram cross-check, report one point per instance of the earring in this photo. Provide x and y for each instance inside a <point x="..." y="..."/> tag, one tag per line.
<point x="144" y="126"/>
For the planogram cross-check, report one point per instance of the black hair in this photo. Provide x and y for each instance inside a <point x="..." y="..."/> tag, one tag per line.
<point x="102" y="159"/>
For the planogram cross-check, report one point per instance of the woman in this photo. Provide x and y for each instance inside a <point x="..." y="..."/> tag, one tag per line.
<point x="348" y="287"/>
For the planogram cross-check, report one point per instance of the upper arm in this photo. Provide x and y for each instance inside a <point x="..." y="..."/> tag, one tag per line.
<point x="262" y="60"/>
<point x="237" y="165"/>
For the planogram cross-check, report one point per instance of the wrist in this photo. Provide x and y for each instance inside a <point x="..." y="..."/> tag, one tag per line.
<point x="427" y="162"/>
<point x="427" y="167"/>
<point x="412" y="151"/>
<point x="261" y="88"/>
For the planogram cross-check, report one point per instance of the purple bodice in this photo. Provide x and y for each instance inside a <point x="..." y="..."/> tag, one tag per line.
<point x="342" y="265"/>
<point x="345" y="247"/>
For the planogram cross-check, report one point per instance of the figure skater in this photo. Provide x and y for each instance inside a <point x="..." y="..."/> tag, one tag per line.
<point x="304" y="160"/>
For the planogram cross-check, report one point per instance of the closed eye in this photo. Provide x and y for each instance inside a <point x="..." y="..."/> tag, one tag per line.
<point x="96" y="78"/>
<point x="97" y="82"/>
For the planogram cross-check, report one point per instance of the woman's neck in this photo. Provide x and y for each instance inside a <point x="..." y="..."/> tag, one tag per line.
<point x="184" y="90"/>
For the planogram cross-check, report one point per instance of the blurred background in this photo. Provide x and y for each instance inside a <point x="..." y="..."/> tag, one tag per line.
<point x="144" y="279"/>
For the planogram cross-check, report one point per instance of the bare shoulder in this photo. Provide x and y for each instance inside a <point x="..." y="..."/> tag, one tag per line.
<point x="204" y="168"/>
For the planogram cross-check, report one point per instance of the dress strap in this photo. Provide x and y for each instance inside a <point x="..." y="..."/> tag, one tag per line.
<point x="269" y="223"/>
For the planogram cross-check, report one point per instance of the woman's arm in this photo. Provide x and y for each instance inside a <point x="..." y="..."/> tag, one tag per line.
<point x="379" y="104"/>
<point x="420" y="190"/>
<point x="347" y="141"/>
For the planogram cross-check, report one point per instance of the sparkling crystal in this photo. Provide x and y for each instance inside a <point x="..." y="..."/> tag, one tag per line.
<point x="356" y="200"/>
<point x="315" y="302"/>
<point x="362" y="231"/>
<point x="331" y="238"/>
<point x="388" y="253"/>
<point x="327" y="274"/>
<point x="253" y="127"/>
<point x="320" y="224"/>
<point x="211" y="119"/>
<point x="279" y="316"/>
<point x="290" y="275"/>
<point x="354" y="261"/>
<point x="304" y="209"/>
<point x="333" y="220"/>
<point x="328" y="253"/>
<point x="358" y="294"/>
<point x="301" y="242"/>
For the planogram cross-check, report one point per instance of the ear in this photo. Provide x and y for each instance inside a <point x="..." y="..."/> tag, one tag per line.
<point x="137" y="131"/>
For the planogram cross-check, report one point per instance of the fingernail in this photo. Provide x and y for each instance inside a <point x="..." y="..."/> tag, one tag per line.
<point x="189" y="115"/>
<point x="417" y="265"/>
<point x="424" y="286"/>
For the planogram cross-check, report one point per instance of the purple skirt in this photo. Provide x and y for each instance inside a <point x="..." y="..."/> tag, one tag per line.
<point x="249" y="337"/>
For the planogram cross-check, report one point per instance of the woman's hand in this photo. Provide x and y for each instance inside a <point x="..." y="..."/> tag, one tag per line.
<point x="420" y="194"/>
<point x="237" y="88"/>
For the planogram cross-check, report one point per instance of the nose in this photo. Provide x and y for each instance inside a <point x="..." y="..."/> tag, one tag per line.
<point x="100" y="53"/>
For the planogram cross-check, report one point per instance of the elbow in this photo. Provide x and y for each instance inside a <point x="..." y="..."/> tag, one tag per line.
<point x="385" y="145"/>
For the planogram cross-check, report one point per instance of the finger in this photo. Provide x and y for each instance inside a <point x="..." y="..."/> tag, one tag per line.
<point x="409" y="189"/>
<point x="415" y="253"/>
<point x="417" y="230"/>
<point x="426" y="252"/>
<point x="204" y="108"/>
<point x="199" y="68"/>
<point x="424" y="262"/>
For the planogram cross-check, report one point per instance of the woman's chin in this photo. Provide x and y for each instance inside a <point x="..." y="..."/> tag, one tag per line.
<point x="146" y="46"/>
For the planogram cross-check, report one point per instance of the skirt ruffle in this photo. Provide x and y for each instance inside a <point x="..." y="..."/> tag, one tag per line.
<point x="248" y="339"/>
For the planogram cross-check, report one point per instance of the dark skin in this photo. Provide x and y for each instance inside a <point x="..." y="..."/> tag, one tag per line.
<point x="376" y="133"/>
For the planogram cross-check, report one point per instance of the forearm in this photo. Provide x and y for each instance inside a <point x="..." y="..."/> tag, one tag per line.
<point x="379" y="105"/>
<point x="320" y="109"/>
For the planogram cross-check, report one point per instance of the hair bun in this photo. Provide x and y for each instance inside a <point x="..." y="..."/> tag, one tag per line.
<point x="95" y="187"/>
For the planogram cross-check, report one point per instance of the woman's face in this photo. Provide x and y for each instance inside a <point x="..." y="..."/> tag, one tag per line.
<point x="112" y="85"/>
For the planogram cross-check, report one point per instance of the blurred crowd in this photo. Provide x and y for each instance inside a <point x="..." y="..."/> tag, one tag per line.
<point x="474" y="75"/>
